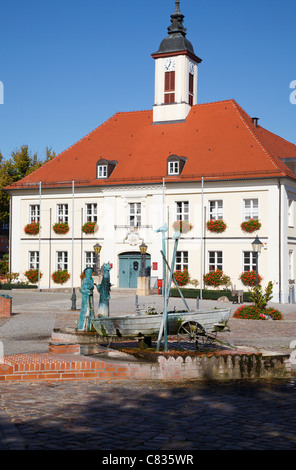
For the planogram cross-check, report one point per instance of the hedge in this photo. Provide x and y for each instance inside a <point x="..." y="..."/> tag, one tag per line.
<point x="17" y="286"/>
<point x="207" y="294"/>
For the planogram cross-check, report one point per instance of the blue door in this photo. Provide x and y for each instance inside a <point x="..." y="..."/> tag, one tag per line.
<point x="129" y="269"/>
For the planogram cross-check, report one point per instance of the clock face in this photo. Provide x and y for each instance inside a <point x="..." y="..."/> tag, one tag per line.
<point x="170" y="64"/>
<point x="191" y="68"/>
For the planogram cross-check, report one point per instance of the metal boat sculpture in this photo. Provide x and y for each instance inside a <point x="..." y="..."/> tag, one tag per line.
<point x="149" y="325"/>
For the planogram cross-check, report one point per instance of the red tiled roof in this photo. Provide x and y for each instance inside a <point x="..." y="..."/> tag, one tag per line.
<point x="219" y="141"/>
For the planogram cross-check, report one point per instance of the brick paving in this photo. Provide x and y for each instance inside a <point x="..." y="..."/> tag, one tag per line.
<point x="143" y="415"/>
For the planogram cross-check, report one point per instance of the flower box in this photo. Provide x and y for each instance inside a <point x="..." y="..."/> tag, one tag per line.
<point x="182" y="277"/>
<point x="61" y="228"/>
<point x="248" y="278"/>
<point x="60" y="277"/>
<point x="183" y="226"/>
<point x="32" y="228"/>
<point x="251" y="225"/>
<point x="213" y="278"/>
<point x="32" y="275"/>
<point x="217" y="226"/>
<point x="89" y="227"/>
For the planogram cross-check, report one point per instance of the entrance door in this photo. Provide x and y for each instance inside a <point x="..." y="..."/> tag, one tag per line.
<point x="129" y="269"/>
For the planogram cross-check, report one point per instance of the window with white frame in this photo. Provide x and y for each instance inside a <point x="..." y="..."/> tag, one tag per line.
<point x="249" y="261"/>
<point x="216" y="210"/>
<point x="181" y="260"/>
<point x="62" y="213"/>
<point x="90" y="259"/>
<point x="291" y="213"/>
<point x="62" y="261"/>
<point x="135" y="215"/>
<point x="34" y="213"/>
<point x="215" y="260"/>
<point x="182" y="210"/>
<point x="33" y="259"/>
<point x="102" y="171"/>
<point x="173" y="168"/>
<point x="91" y="212"/>
<point x="251" y="209"/>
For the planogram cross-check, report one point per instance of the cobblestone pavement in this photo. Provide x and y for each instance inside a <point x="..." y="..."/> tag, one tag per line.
<point x="143" y="415"/>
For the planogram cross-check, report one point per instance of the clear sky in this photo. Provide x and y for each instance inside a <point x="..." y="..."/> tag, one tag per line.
<point x="68" y="65"/>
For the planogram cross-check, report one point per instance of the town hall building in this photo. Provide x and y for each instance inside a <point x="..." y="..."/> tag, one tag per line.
<point x="180" y="161"/>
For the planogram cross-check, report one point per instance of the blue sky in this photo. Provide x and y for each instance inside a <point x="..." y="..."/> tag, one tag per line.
<point x="68" y="65"/>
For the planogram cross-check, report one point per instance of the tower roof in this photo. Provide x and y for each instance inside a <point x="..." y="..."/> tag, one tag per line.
<point x="176" y="41"/>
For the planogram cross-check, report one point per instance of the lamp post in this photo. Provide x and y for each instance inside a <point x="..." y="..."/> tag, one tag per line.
<point x="257" y="246"/>
<point x="143" y="249"/>
<point x="97" y="250"/>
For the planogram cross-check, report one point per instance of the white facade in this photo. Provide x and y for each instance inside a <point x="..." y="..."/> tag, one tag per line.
<point x="273" y="202"/>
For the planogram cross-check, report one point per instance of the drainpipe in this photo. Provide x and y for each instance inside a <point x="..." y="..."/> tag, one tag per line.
<point x="280" y="240"/>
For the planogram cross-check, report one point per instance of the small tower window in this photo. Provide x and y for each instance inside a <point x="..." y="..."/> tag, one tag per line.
<point x="169" y="87"/>
<point x="190" y="99"/>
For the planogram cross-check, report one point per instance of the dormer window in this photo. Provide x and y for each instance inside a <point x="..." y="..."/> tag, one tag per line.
<point x="173" y="168"/>
<point x="175" y="164"/>
<point x="105" y="168"/>
<point x="102" y="171"/>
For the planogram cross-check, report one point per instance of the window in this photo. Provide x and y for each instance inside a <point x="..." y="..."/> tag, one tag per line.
<point x="91" y="212"/>
<point x="216" y="210"/>
<point x="33" y="259"/>
<point x="291" y="213"/>
<point x="90" y="259"/>
<point x="135" y="214"/>
<point x="102" y="171"/>
<point x="62" y="260"/>
<point x="249" y="261"/>
<point x="62" y="213"/>
<point x="181" y="260"/>
<point x="34" y="214"/>
<point x="190" y="99"/>
<point x="215" y="260"/>
<point x="173" y="168"/>
<point x="251" y="209"/>
<point x="169" y="87"/>
<point x="182" y="210"/>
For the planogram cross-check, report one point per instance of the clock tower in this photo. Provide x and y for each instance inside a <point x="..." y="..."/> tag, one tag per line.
<point x="176" y="68"/>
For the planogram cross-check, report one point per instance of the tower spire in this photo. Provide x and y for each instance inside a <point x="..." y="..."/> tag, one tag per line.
<point x="177" y="21"/>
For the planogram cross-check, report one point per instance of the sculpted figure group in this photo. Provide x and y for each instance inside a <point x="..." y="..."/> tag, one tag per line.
<point x="87" y="305"/>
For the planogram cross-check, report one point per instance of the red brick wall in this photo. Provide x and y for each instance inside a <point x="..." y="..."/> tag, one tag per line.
<point x="5" y="307"/>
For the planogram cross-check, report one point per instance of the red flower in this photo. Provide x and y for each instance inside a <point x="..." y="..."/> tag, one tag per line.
<point x="32" y="228"/>
<point x="61" y="228"/>
<point x="217" y="226"/>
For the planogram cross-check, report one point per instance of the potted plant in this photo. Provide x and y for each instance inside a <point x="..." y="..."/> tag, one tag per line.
<point x="89" y="227"/>
<point x="32" y="275"/>
<point x="60" y="276"/>
<point x="213" y="278"/>
<point x="217" y="226"/>
<point x="183" y="226"/>
<point x="32" y="228"/>
<point x="248" y="278"/>
<point x="250" y="226"/>
<point x="61" y="228"/>
<point x="182" y="277"/>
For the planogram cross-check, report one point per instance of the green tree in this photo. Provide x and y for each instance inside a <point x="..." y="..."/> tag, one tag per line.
<point x="21" y="164"/>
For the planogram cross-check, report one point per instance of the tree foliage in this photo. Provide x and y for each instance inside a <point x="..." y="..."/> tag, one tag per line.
<point x="21" y="164"/>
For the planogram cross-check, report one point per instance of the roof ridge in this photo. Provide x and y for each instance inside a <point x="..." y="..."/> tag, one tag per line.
<point x="238" y="109"/>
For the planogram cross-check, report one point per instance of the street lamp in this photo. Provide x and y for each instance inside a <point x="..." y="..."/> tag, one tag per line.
<point x="257" y="246"/>
<point x="143" y="249"/>
<point x="97" y="250"/>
